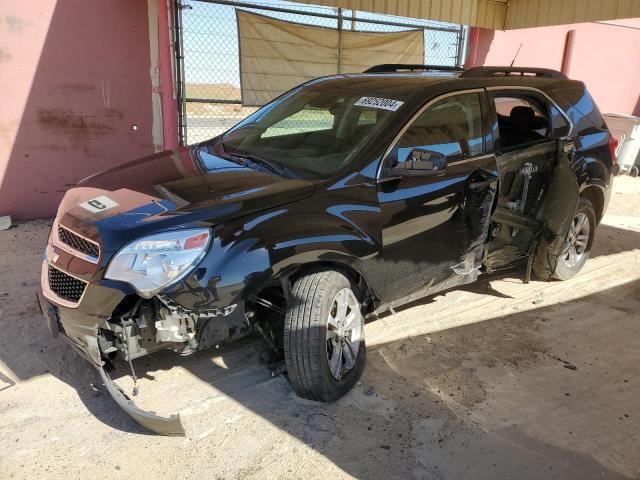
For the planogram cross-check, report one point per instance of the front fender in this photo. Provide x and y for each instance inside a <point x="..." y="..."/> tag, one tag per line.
<point x="249" y="253"/>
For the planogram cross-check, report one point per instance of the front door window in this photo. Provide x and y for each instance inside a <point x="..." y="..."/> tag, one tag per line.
<point x="451" y="127"/>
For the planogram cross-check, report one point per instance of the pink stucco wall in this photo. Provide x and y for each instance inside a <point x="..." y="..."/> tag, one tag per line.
<point x="606" y="56"/>
<point x="76" y="96"/>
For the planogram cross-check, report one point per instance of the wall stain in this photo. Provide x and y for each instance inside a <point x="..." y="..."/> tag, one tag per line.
<point x="5" y="56"/>
<point x="113" y="113"/>
<point x="72" y="88"/>
<point x="14" y="24"/>
<point x="78" y="127"/>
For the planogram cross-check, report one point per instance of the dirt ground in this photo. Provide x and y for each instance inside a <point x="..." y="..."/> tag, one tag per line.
<point x="498" y="380"/>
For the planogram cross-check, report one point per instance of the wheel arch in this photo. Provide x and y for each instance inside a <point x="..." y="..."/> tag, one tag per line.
<point x="595" y="194"/>
<point x="594" y="178"/>
<point x="293" y="272"/>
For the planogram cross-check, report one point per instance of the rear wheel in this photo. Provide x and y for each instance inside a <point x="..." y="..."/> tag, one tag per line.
<point x="578" y="243"/>
<point x="324" y="336"/>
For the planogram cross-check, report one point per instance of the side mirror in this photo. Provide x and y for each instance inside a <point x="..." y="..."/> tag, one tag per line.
<point x="426" y="161"/>
<point x="420" y="162"/>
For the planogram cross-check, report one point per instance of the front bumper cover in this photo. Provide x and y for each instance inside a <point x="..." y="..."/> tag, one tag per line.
<point x="170" y="426"/>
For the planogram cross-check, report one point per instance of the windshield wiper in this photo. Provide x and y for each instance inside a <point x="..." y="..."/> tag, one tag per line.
<point x="274" y="167"/>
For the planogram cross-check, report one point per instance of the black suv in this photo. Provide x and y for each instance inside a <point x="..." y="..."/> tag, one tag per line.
<point x="341" y="199"/>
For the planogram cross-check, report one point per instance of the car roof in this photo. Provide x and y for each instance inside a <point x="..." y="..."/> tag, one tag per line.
<point x="433" y="77"/>
<point x="422" y="85"/>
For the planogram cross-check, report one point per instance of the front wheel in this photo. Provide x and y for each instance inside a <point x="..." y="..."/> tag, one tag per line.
<point x="324" y="336"/>
<point x="578" y="244"/>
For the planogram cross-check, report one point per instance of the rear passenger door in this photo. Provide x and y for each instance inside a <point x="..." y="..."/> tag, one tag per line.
<point x="526" y="151"/>
<point x="435" y="190"/>
<point x="523" y="137"/>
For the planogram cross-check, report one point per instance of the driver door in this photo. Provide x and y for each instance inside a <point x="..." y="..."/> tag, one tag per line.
<point x="436" y="190"/>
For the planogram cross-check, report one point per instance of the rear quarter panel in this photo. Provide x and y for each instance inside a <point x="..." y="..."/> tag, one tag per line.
<point x="591" y="162"/>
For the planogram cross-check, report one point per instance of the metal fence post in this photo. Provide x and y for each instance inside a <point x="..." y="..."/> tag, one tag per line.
<point x="180" y="83"/>
<point x="460" y="47"/>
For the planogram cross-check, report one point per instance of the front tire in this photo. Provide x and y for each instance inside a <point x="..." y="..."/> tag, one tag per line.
<point x="324" y="343"/>
<point x="578" y="243"/>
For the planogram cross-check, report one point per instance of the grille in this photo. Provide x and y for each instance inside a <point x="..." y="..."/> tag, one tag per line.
<point x="65" y="286"/>
<point x="78" y="243"/>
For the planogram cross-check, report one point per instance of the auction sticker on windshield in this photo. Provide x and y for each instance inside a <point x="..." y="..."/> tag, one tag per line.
<point x="375" y="102"/>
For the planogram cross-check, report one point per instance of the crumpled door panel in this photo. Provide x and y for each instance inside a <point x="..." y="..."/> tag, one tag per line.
<point x="559" y="209"/>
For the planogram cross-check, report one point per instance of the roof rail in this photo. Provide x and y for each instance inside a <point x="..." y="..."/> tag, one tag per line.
<point x="513" y="71"/>
<point x="396" y="67"/>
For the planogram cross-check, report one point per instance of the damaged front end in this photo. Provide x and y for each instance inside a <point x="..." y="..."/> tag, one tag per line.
<point x="170" y="426"/>
<point x="145" y="326"/>
<point x="111" y="308"/>
<point x="156" y="324"/>
<point x="139" y="327"/>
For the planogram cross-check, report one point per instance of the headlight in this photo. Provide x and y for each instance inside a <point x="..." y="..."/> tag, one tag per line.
<point x="156" y="261"/>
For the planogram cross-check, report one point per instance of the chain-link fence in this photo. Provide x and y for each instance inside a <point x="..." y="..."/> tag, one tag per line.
<point x="208" y="54"/>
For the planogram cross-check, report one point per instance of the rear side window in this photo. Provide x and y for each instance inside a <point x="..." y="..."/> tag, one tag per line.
<point x="451" y="126"/>
<point x="521" y="121"/>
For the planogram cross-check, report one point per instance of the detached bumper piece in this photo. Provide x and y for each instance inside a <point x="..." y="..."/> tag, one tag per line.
<point x="171" y="426"/>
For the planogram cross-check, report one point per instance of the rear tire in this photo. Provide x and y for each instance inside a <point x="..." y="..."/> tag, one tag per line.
<point x="578" y="243"/>
<point x="324" y="336"/>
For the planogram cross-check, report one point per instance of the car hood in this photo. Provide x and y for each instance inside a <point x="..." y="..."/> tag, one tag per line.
<point x="168" y="190"/>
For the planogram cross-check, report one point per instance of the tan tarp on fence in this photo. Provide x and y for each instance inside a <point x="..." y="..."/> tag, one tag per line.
<point x="275" y="56"/>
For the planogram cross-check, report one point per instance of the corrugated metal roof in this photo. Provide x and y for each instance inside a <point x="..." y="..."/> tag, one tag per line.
<point x="496" y="14"/>
<point x="537" y="13"/>
<point x="491" y="14"/>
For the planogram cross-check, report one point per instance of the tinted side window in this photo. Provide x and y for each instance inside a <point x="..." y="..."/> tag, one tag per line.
<point x="451" y="126"/>
<point x="521" y="121"/>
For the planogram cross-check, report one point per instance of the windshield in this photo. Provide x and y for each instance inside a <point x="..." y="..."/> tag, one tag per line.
<point x="314" y="130"/>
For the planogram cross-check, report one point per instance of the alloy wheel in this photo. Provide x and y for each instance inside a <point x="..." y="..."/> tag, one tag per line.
<point x="577" y="240"/>
<point x="345" y="333"/>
